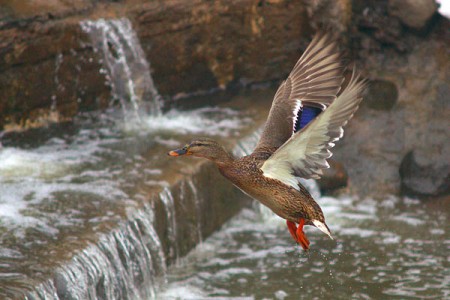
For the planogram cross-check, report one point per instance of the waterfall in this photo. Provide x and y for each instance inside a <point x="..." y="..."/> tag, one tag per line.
<point x="124" y="264"/>
<point x="197" y="208"/>
<point x="129" y="262"/>
<point x="126" y="69"/>
<point x="169" y="206"/>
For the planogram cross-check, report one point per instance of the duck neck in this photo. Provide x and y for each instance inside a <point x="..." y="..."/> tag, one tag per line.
<point x="222" y="158"/>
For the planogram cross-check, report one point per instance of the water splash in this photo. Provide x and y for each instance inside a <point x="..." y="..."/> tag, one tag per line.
<point x="128" y="72"/>
<point x="208" y="120"/>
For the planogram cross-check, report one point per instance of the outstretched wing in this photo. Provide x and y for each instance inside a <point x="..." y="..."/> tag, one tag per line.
<point x="315" y="80"/>
<point x="305" y="153"/>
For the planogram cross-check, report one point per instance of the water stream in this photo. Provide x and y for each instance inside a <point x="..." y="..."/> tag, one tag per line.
<point x="125" y="65"/>
<point x="397" y="248"/>
<point x="59" y="195"/>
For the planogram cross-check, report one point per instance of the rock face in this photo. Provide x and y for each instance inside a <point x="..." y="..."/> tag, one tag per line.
<point x="380" y="95"/>
<point x="405" y="109"/>
<point x="199" y="45"/>
<point x="419" y="177"/>
<point x="413" y="13"/>
<point x="50" y="72"/>
<point x="335" y="14"/>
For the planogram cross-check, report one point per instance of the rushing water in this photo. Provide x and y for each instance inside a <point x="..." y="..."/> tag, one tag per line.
<point x="75" y="218"/>
<point x="127" y="70"/>
<point x="61" y="192"/>
<point x="389" y="249"/>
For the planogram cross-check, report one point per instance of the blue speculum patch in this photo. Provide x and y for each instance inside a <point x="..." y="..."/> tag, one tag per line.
<point x="305" y="115"/>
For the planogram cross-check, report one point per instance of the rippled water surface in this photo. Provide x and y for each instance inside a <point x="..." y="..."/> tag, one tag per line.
<point x="389" y="249"/>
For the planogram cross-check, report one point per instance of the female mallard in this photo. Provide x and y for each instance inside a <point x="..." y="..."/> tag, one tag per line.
<point x="290" y="146"/>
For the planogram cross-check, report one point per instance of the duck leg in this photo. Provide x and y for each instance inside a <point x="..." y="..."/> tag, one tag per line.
<point x="297" y="233"/>
<point x="292" y="229"/>
<point x="301" y="237"/>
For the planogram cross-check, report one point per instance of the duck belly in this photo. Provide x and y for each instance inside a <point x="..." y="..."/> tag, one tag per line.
<point x="283" y="200"/>
<point x="286" y="202"/>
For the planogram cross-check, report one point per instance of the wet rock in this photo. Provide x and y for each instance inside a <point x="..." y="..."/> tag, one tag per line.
<point x="44" y="9"/>
<point x="376" y="141"/>
<point x="199" y="45"/>
<point x="48" y="75"/>
<point x="49" y="72"/>
<point x="413" y="13"/>
<point x="380" y="95"/>
<point x="334" y="177"/>
<point x="382" y="30"/>
<point x="335" y="14"/>
<point x="420" y="177"/>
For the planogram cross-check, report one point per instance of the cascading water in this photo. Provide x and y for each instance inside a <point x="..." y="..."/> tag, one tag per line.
<point x="197" y="207"/>
<point x="76" y="209"/>
<point x="169" y="206"/>
<point x="127" y="70"/>
<point x="124" y="264"/>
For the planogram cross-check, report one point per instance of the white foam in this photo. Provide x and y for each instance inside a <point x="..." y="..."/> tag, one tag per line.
<point x="20" y="199"/>
<point x="207" y="121"/>
<point x="226" y="273"/>
<point x="44" y="162"/>
<point x="408" y="219"/>
<point x="176" y="291"/>
<point x="21" y="163"/>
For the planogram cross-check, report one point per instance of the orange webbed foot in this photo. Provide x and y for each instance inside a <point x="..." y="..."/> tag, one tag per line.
<point x="297" y="233"/>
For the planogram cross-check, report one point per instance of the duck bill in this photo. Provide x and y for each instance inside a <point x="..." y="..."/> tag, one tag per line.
<point x="179" y="152"/>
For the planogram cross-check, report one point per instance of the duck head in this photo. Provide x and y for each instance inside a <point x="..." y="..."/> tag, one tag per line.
<point x="203" y="147"/>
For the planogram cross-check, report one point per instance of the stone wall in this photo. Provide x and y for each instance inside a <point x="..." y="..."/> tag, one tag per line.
<point x="48" y="71"/>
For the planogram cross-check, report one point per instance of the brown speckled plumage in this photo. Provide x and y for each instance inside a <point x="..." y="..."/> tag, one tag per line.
<point x="285" y="152"/>
<point x="285" y="201"/>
